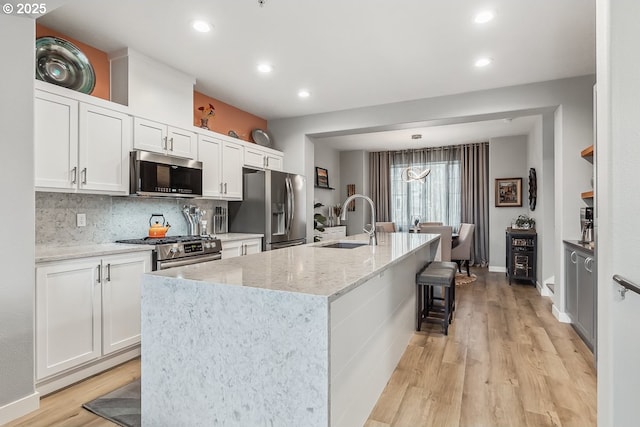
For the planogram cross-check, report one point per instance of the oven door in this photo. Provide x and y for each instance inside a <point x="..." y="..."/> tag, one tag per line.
<point x="163" y="265"/>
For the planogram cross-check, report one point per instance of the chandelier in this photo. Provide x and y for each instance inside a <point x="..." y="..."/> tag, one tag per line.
<point x="408" y="174"/>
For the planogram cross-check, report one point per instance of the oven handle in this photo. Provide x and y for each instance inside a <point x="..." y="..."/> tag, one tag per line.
<point x="162" y="265"/>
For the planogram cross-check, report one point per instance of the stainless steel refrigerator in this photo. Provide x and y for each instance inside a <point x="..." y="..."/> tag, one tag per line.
<point x="274" y="205"/>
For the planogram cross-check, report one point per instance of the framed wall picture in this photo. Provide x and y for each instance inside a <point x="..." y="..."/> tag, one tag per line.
<point x="508" y="192"/>
<point x="322" y="178"/>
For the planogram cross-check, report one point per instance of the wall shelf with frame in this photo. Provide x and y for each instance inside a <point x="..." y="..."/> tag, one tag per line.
<point x="587" y="154"/>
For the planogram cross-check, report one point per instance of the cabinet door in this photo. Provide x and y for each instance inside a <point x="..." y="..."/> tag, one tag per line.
<point x="253" y="246"/>
<point x="105" y="142"/>
<point x="232" y="249"/>
<point x="571" y="283"/>
<point x="210" y="154"/>
<point x="586" y="297"/>
<point x="181" y="143"/>
<point x="232" y="171"/>
<point x="67" y="315"/>
<point x="254" y="157"/>
<point x="274" y="162"/>
<point x="149" y="135"/>
<point x="121" y="283"/>
<point x="56" y="142"/>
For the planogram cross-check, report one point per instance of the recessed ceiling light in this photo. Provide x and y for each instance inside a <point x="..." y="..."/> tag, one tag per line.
<point x="265" y="68"/>
<point x="304" y="93"/>
<point x="483" y="62"/>
<point x="201" y="26"/>
<point x="416" y="136"/>
<point x="484" y="17"/>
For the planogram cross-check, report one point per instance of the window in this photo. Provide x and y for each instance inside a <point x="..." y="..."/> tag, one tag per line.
<point x="438" y="199"/>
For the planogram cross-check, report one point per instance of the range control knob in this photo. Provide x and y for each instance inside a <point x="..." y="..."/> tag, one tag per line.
<point x="207" y="245"/>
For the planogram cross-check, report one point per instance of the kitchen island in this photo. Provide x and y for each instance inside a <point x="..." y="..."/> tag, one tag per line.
<point x="301" y="336"/>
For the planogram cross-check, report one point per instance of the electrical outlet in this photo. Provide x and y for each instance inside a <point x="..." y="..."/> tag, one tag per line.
<point x="81" y="220"/>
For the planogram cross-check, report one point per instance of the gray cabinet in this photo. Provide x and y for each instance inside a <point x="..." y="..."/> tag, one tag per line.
<point x="581" y="292"/>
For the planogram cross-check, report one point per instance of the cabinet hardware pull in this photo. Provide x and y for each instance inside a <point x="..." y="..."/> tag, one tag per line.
<point x="571" y="257"/>
<point x="221" y="188"/>
<point x="165" y="143"/>
<point x="84" y="175"/>
<point x="75" y="175"/>
<point x="225" y="188"/>
<point x="171" y="143"/>
<point x="109" y="272"/>
<point x="99" y="274"/>
<point x="267" y="160"/>
<point x="588" y="263"/>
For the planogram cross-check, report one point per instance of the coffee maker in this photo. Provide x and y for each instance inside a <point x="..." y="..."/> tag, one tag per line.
<point x="586" y="225"/>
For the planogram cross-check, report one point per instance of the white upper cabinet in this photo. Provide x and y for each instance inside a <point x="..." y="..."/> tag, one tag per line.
<point x="105" y="142"/>
<point x="221" y="168"/>
<point x="164" y="139"/>
<point x="80" y="147"/>
<point x="263" y="158"/>
<point x="56" y="142"/>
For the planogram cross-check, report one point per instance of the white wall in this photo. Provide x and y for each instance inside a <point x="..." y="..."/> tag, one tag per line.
<point x="617" y="204"/>
<point x="354" y="169"/>
<point x="329" y="159"/>
<point x="17" y="288"/>
<point x="507" y="159"/>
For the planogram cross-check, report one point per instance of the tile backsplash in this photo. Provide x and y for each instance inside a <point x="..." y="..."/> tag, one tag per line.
<point x="108" y="218"/>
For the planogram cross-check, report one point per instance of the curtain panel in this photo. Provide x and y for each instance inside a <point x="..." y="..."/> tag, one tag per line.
<point x="435" y="200"/>
<point x="380" y="184"/>
<point x="474" y="164"/>
<point x="456" y="190"/>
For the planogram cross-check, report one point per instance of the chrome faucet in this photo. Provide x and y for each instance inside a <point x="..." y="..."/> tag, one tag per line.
<point x="372" y="231"/>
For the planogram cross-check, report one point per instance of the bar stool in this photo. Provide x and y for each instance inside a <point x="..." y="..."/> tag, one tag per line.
<point x="436" y="274"/>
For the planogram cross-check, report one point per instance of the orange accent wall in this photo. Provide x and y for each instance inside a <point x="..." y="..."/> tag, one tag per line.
<point x="98" y="59"/>
<point x="227" y="117"/>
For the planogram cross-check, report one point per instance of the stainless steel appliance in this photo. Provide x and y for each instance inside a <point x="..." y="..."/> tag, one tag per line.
<point x="586" y="225"/>
<point x="176" y="251"/>
<point x="274" y="205"/>
<point x="152" y="174"/>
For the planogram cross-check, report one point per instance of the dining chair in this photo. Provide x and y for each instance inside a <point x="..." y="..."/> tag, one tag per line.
<point x="462" y="252"/>
<point x="444" y="248"/>
<point x="386" y="227"/>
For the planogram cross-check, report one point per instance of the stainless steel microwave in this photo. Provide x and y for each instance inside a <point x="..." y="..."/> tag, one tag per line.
<point x="154" y="174"/>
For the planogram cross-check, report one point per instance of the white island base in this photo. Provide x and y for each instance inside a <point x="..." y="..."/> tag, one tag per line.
<point x="304" y="336"/>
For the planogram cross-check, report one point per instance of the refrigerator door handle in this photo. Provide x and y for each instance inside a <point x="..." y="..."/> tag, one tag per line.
<point x="289" y="216"/>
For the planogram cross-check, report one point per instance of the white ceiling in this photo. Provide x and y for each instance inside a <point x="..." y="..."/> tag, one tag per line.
<point x="348" y="53"/>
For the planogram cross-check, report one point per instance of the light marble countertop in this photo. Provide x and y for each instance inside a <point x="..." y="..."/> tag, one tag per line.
<point x="308" y="269"/>
<point x="47" y="253"/>
<point x="228" y="237"/>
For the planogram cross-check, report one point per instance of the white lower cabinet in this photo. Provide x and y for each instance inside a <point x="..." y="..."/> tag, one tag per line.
<point x="234" y="248"/>
<point x="86" y="309"/>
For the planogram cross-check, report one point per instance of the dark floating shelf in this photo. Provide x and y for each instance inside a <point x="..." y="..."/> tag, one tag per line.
<point x="325" y="188"/>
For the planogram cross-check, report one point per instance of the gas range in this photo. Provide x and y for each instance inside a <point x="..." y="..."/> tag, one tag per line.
<point x="175" y="251"/>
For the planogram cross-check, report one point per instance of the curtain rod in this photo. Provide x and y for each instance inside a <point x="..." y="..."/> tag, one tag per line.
<point x="444" y="147"/>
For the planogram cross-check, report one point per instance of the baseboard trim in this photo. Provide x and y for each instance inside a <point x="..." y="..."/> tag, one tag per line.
<point x="543" y="290"/>
<point x="72" y="376"/>
<point x="561" y="316"/>
<point x="19" y="408"/>
<point x="497" y="269"/>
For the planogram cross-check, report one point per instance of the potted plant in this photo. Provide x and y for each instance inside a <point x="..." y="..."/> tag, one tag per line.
<point x="524" y="222"/>
<point x="319" y="221"/>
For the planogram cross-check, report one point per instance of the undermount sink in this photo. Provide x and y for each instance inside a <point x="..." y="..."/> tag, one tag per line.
<point x="344" y="245"/>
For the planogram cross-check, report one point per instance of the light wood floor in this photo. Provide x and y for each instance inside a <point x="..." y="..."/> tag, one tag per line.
<point x="506" y="362"/>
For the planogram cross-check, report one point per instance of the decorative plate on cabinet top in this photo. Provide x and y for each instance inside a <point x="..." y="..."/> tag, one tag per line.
<point x="60" y="62"/>
<point x="261" y="137"/>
